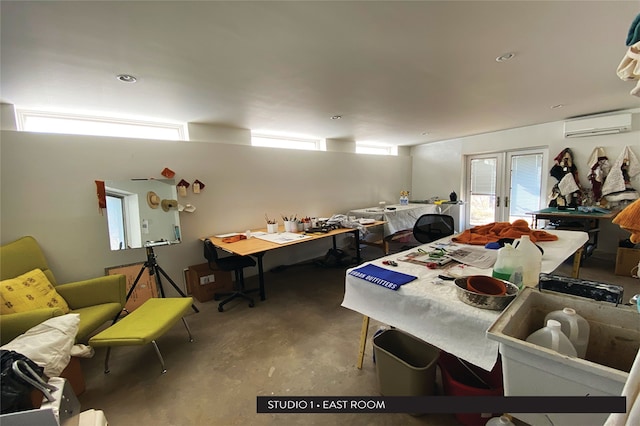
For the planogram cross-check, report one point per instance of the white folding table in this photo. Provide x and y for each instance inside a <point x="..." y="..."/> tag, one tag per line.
<point x="433" y="312"/>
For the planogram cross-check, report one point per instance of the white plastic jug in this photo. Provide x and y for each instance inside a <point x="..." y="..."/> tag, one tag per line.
<point x="552" y="337"/>
<point x="508" y="265"/>
<point x="500" y="421"/>
<point x="532" y="261"/>
<point x="575" y="327"/>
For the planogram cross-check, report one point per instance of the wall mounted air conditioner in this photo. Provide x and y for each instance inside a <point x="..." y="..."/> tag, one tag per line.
<point x="597" y="125"/>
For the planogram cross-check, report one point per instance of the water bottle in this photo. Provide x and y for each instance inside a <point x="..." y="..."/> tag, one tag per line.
<point x="552" y="337"/>
<point x="508" y="266"/>
<point x="532" y="261"/>
<point x="575" y="327"/>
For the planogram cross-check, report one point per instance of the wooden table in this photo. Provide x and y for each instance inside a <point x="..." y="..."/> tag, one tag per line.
<point x="257" y="247"/>
<point x="587" y="221"/>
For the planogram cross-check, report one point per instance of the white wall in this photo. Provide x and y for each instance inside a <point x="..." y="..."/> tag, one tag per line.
<point x="438" y="167"/>
<point x="48" y="191"/>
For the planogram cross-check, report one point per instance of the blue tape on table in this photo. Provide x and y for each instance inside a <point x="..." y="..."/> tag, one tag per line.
<point x="381" y="276"/>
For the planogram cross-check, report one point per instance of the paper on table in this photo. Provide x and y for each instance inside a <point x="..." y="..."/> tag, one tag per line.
<point x="282" y="238"/>
<point x="478" y="257"/>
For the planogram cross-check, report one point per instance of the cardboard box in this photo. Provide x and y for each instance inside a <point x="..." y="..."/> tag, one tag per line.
<point x="203" y="282"/>
<point x="626" y="260"/>
<point x="146" y="287"/>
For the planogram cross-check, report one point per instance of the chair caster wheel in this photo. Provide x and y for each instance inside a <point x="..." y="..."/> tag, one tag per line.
<point x="251" y="305"/>
<point x="220" y="309"/>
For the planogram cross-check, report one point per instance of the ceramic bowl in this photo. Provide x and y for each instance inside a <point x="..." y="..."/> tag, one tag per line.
<point x="483" y="301"/>
<point x="483" y="284"/>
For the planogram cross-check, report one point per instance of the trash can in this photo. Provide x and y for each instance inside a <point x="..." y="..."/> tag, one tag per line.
<point x="405" y="365"/>
<point x="460" y="378"/>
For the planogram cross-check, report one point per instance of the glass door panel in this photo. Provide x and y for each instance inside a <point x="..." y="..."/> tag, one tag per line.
<point x="482" y="195"/>
<point x="525" y="186"/>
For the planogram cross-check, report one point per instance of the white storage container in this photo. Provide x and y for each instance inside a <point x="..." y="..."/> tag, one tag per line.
<point x="531" y="370"/>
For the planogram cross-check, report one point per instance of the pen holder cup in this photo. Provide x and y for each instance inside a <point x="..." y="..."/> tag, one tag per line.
<point x="290" y="226"/>
<point x="272" y="228"/>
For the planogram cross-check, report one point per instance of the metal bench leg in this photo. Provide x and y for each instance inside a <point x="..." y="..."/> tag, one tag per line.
<point x="155" y="346"/>
<point x="106" y="361"/>
<point x="184" y="321"/>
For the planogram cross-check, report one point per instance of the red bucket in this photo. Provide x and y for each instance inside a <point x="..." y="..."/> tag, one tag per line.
<point x="457" y="380"/>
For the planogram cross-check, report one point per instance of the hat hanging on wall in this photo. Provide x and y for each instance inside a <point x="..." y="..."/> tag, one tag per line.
<point x="153" y="200"/>
<point x="169" y="204"/>
<point x="189" y="208"/>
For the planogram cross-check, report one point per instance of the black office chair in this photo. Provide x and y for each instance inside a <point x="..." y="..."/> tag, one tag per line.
<point x="430" y="227"/>
<point x="233" y="263"/>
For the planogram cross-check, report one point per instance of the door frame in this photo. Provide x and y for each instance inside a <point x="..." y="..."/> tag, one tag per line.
<point x="503" y="177"/>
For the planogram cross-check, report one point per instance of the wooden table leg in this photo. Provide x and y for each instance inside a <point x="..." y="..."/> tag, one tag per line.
<point x="363" y="340"/>
<point x="577" y="258"/>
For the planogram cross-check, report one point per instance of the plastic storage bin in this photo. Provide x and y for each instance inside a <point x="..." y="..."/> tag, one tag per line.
<point x="460" y="378"/>
<point x="405" y="365"/>
<point x="529" y="369"/>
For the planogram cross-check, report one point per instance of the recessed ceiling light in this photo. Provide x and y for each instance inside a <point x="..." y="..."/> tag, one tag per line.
<point x="336" y="117"/>
<point x="126" y="78"/>
<point x="505" y="57"/>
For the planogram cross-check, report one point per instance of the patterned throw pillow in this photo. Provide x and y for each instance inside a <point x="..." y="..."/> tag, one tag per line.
<point x="28" y="292"/>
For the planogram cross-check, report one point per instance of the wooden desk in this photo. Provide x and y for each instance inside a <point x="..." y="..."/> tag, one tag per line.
<point x="432" y="312"/>
<point x="588" y="222"/>
<point x="257" y="247"/>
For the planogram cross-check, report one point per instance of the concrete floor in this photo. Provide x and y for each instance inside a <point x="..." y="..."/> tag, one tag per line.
<point x="299" y="342"/>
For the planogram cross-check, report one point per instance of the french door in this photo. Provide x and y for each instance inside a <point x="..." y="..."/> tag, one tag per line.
<point x="505" y="186"/>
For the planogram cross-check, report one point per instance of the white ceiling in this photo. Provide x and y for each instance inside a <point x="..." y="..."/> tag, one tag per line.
<point x="393" y="70"/>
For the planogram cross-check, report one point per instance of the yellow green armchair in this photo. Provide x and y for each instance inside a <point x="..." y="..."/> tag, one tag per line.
<point x="96" y="300"/>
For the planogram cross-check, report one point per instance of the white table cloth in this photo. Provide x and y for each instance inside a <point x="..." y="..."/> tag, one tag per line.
<point x="433" y="312"/>
<point x="400" y="219"/>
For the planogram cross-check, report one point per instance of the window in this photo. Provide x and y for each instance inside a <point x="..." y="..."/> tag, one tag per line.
<point x="77" y="124"/>
<point x="116" y="221"/>
<point x="376" y="148"/>
<point x="123" y="218"/>
<point x="288" y="142"/>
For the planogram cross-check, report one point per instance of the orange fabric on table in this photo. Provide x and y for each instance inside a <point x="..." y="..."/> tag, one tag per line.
<point x="491" y="232"/>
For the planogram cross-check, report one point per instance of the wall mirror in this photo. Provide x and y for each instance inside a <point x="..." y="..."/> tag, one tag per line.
<point x="142" y="211"/>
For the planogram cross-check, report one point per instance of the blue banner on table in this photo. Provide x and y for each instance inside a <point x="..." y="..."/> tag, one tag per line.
<point x="382" y="277"/>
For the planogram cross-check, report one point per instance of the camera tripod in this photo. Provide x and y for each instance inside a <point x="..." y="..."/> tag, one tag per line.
<point x="155" y="269"/>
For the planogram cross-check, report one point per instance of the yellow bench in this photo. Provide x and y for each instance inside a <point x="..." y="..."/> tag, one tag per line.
<point x="144" y="325"/>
